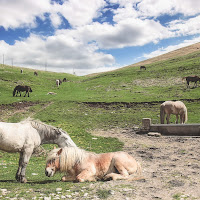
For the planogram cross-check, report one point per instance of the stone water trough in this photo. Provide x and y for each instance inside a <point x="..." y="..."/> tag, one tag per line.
<point x="171" y="129"/>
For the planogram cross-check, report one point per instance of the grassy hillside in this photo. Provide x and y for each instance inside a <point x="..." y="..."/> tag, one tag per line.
<point x="117" y="99"/>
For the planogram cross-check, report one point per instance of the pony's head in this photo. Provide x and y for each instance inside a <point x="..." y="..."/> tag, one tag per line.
<point x="63" y="139"/>
<point x="30" y="90"/>
<point x="53" y="164"/>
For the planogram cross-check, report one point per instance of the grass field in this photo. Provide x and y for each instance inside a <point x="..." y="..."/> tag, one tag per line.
<point x="117" y="99"/>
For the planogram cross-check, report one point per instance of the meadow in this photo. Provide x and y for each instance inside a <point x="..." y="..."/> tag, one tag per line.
<point x="111" y="100"/>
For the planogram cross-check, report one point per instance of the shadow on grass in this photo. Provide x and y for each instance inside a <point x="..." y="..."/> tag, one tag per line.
<point x="30" y="182"/>
<point x="42" y="182"/>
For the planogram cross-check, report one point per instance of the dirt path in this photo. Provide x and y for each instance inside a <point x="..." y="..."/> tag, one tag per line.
<point x="171" y="166"/>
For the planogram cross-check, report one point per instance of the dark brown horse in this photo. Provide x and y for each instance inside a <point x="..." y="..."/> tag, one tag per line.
<point x="21" y="88"/>
<point x="143" y="67"/>
<point x="191" y="79"/>
<point x="35" y="73"/>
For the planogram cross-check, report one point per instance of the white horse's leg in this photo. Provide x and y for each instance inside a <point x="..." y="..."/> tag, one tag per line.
<point x="24" y="161"/>
<point x="20" y="167"/>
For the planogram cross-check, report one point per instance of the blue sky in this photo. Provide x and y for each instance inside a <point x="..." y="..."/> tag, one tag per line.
<point x="90" y="36"/>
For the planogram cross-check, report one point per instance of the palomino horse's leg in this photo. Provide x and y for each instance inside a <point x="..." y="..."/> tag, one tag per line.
<point x="168" y="117"/>
<point x="68" y="178"/>
<point x="86" y="175"/>
<point x="123" y="173"/>
<point x="177" y="119"/>
<point x="24" y="158"/>
<point x="182" y="118"/>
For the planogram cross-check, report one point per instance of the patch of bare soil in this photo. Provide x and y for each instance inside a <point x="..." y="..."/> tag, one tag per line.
<point x="8" y="110"/>
<point x="171" y="167"/>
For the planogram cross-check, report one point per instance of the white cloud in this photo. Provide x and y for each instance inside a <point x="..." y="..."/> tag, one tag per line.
<point x="79" y="13"/>
<point x="161" y="51"/>
<point x="60" y="52"/>
<point x="155" y="8"/>
<point x="80" y="47"/>
<point x="129" y="32"/>
<point x="185" y="27"/>
<point x="20" y="13"/>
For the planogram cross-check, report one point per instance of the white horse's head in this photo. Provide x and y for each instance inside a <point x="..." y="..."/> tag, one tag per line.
<point x="63" y="139"/>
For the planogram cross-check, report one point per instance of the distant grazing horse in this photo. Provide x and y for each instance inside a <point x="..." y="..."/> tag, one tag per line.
<point x="58" y="82"/>
<point x="35" y="73"/>
<point x="21" y="70"/>
<point x="80" y="165"/>
<point x="64" y="80"/>
<point x="192" y="79"/>
<point x="21" y="88"/>
<point x="27" y="135"/>
<point x="173" y="107"/>
<point x="143" y="67"/>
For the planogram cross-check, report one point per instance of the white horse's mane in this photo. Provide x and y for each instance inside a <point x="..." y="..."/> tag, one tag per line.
<point x="69" y="157"/>
<point x="38" y="125"/>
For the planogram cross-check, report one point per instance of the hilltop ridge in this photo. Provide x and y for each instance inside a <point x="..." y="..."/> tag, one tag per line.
<point x="170" y="55"/>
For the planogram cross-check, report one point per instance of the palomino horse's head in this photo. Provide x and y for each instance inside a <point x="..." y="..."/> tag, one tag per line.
<point x="53" y="163"/>
<point x="63" y="139"/>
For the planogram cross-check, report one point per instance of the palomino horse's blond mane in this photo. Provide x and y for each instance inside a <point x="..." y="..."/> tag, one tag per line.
<point x="69" y="157"/>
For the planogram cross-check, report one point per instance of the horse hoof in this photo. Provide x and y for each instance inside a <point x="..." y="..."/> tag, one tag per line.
<point x="22" y="179"/>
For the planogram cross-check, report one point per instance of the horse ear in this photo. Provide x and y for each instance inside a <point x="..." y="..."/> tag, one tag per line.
<point x="59" y="152"/>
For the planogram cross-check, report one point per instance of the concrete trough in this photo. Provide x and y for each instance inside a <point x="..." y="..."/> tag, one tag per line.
<point x="176" y="129"/>
<point x="171" y="129"/>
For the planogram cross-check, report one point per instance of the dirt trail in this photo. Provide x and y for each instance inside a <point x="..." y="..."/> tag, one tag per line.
<point x="171" y="166"/>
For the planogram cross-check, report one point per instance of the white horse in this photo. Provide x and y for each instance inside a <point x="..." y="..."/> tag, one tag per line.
<point x="25" y="136"/>
<point x="173" y="107"/>
<point x="58" y="82"/>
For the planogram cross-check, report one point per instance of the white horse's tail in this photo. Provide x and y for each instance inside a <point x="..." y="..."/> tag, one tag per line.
<point x="162" y="114"/>
<point x="138" y="175"/>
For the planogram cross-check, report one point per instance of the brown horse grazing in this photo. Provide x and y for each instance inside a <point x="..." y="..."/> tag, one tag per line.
<point x="173" y="107"/>
<point x="143" y="67"/>
<point x="191" y="79"/>
<point x="80" y="165"/>
<point x="35" y="73"/>
<point x="21" y="88"/>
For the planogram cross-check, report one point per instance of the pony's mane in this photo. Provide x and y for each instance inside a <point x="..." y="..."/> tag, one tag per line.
<point x="40" y="126"/>
<point x="69" y="157"/>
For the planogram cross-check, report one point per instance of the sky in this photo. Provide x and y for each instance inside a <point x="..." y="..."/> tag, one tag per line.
<point x="90" y="36"/>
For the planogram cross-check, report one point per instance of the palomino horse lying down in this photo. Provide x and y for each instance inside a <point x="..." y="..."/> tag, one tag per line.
<point x="173" y="107"/>
<point x="80" y="165"/>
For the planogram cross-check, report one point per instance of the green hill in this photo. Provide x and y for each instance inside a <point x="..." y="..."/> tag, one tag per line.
<point x="111" y="100"/>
